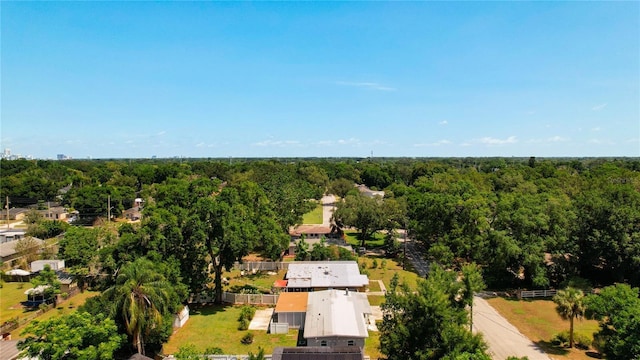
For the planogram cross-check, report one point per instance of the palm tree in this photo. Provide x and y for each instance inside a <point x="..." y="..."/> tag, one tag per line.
<point x="140" y="298"/>
<point x="570" y="305"/>
<point x="472" y="282"/>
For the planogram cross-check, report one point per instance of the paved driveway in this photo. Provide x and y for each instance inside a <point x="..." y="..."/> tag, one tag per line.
<point x="504" y="339"/>
<point x="261" y="319"/>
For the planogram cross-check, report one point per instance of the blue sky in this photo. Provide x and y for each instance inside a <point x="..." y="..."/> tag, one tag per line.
<point x="273" y="79"/>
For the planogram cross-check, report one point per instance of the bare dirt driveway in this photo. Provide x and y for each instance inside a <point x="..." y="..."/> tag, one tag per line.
<point x="504" y="339"/>
<point x="328" y="205"/>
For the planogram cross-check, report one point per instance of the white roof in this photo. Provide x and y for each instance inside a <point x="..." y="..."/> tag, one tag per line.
<point x="332" y="313"/>
<point x="37" y="290"/>
<point x="325" y="274"/>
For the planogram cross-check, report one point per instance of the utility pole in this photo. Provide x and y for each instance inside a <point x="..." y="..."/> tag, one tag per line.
<point x="7" y="206"/>
<point x="109" y="208"/>
<point x="404" y="257"/>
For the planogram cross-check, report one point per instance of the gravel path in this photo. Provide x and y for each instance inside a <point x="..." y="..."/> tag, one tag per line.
<point x="504" y="339"/>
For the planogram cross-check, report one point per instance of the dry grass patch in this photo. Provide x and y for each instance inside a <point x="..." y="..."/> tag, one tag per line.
<point x="539" y="321"/>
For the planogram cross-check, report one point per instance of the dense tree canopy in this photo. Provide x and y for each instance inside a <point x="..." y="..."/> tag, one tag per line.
<point x="617" y="309"/>
<point x="428" y="323"/>
<point x="77" y="336"/>
<point x="526" y="221"/>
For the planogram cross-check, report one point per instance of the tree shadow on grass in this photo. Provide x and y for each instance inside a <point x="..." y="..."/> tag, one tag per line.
<point x="549" y="348"/>
<point x="594" y="354"/>
<point x="209" y="309"/>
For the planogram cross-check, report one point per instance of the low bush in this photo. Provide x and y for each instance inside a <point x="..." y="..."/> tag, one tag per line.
<point x="561" y="339"/>
<point x="247" y="338"/>
<point x="582" y="341"/>
<point x="244" y="324"/>
<point x="247" y="313"/>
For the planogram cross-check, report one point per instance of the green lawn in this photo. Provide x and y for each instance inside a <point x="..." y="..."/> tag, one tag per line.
<point x="12" y="293"/>
<point x="392" y="267"/>
<point x="314" y="216"/>
<point x="217" y="326"/>
<point x="372" y="346"/>
<point x="374" y="242"/>
<point x="261" y="279"/>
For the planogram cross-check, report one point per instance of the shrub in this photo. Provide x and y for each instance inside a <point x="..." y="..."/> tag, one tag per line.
<point x="582" y="341"/>
<point x="247" y="313"/>
<point x="247" y="338"/>
<point x="214" y="351"/>
<point x="561" y="339"/>
<point x="383" y="265"/>
<point x="244" y="324"/>
<point x="374" y="264"/>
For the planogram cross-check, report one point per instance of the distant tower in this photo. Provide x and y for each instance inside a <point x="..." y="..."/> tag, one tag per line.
<point x="7" y="152"/>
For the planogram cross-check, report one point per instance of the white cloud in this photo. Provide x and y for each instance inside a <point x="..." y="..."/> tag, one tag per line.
<point x="437" y="143"/>
<point x="366" y="85"/>
<point x="633" y="140"/>
<point x="597" y="128"/>
<point x="443" y="122"/>
<point x="494" y="141"/>
<point x="161" y="133"/>
<point x="599" y="107"/>
<point x="553" y="139"/>
<point x="350" y="141"/>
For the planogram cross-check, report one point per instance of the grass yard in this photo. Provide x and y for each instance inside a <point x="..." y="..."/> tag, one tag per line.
<point x="12" y="293"/>
<point x="314" y="216"/>
<point x="392" y="267"/>
<point x="372" y="346"/>
<point x="539" y="321"/>
<point x="262" y="280"/>
<point x="217" y="326"/>
<point x="351" y="237"/>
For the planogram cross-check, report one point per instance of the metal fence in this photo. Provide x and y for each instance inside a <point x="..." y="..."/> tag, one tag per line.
<point x="278" y="328"/>
<point x="524" y="294"/>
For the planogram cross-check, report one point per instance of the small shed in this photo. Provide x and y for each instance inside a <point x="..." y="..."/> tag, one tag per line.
<point x="39" y="265"/>
<point x="36" y="296"/>
<point x="181" y="318"/>
<point x="291" y="309"/>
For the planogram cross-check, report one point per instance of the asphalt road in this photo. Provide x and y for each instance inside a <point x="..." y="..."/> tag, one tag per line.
<point x="504" y="339"/>
<point x="416" y="257"/>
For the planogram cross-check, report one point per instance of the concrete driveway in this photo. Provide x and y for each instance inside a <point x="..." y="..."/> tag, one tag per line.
<point x="504" y="339"/>
<point x="261" y="319"/>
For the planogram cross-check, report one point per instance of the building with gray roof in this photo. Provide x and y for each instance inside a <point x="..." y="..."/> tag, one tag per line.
<point x="324" y="275"/>
<point x="336" y="318"/>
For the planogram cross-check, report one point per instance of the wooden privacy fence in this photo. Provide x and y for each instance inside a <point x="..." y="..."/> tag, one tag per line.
<point x="224" y="357"/>
<point x="262" y="266"/>
<point x="251" y="299"/>
<point x="524" y="294"/>
<point x="232" y="298"/>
